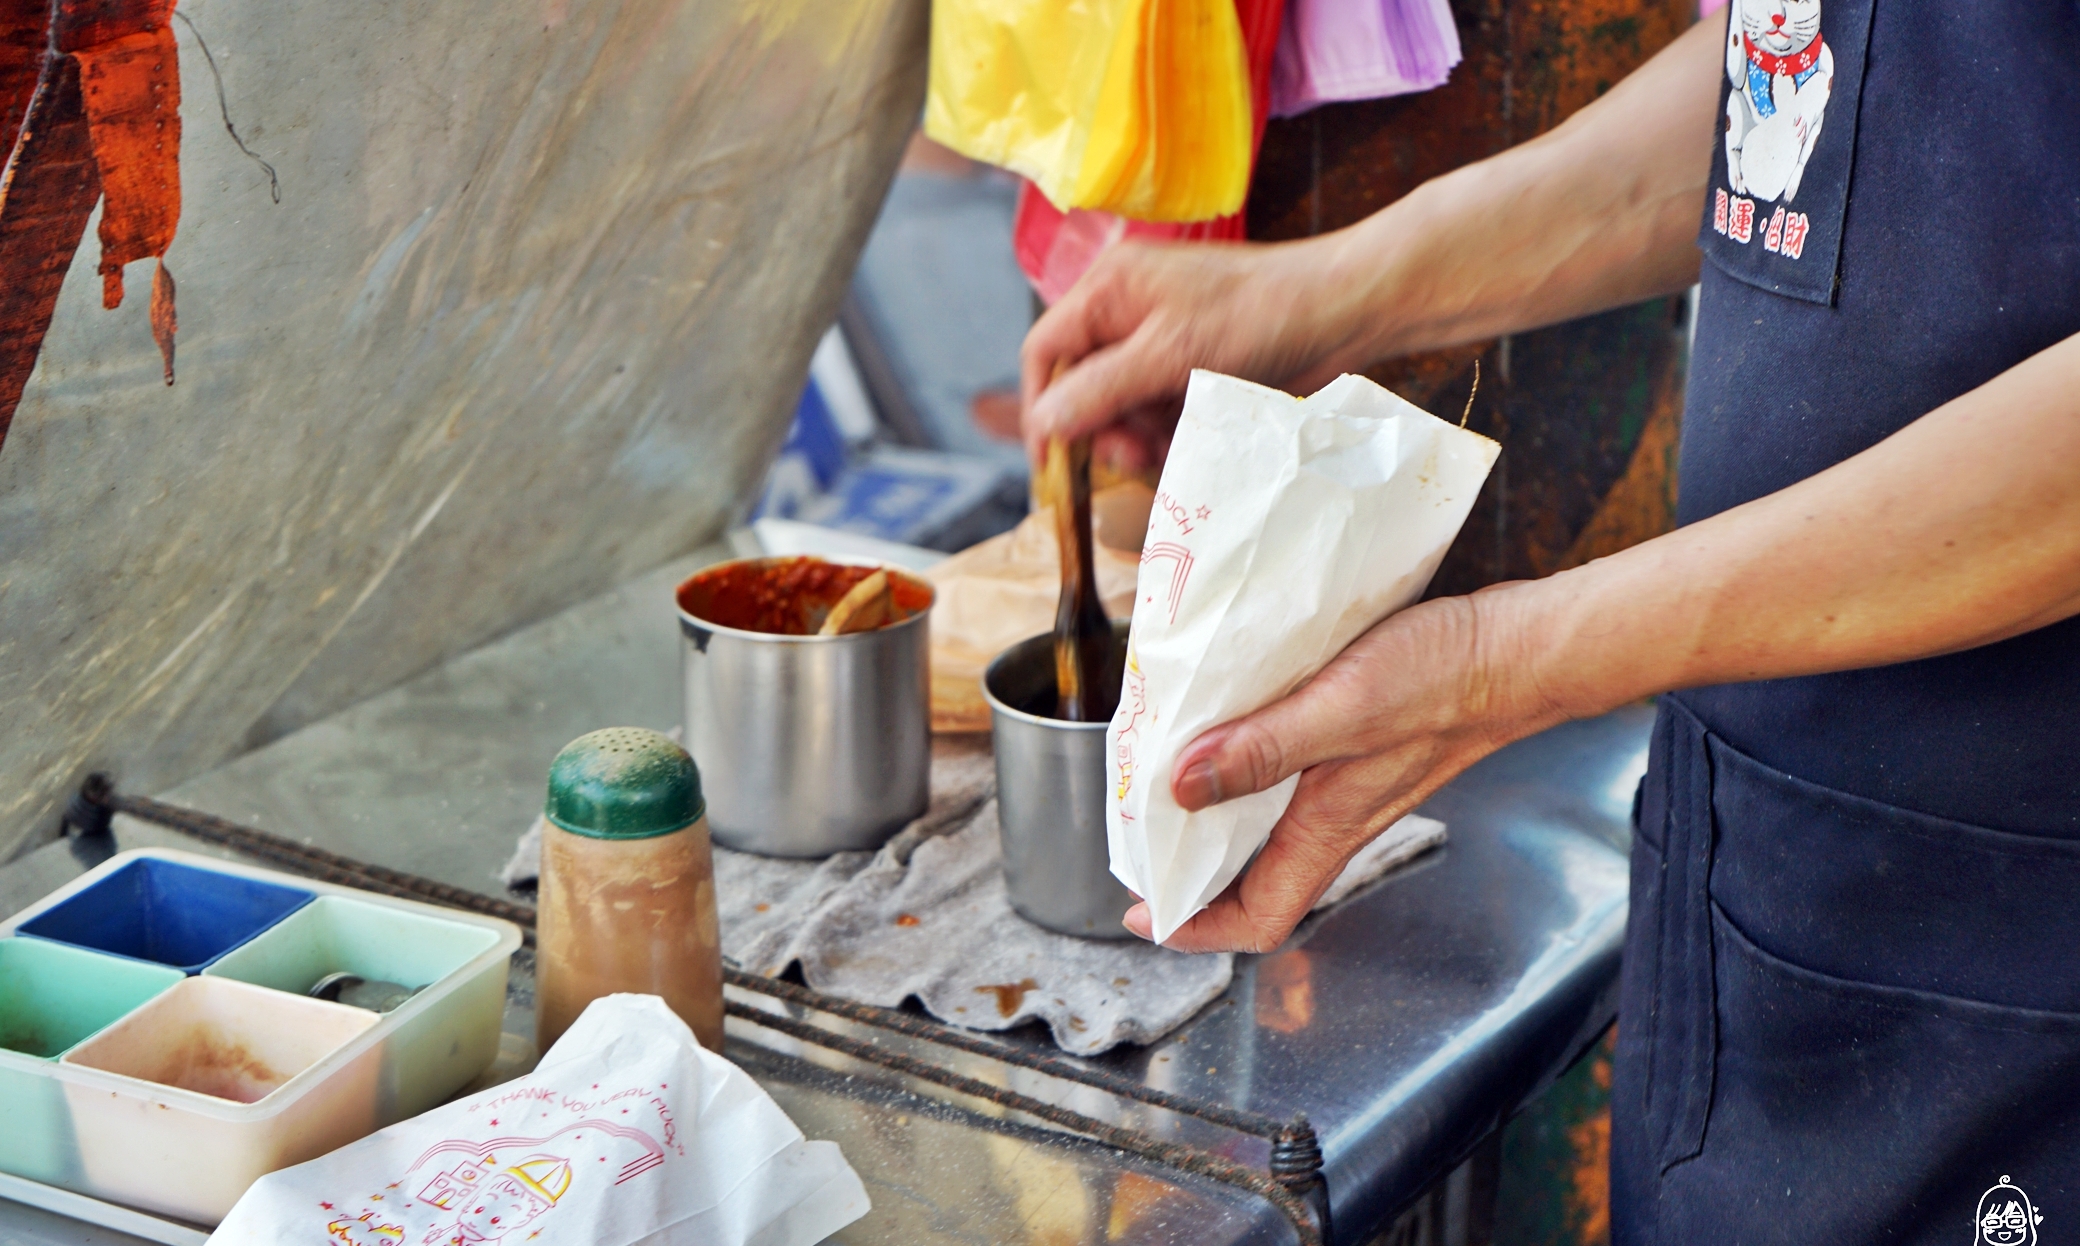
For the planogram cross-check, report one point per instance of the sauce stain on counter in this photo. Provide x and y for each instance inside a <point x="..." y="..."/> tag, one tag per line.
<point x="1009" y="994"/>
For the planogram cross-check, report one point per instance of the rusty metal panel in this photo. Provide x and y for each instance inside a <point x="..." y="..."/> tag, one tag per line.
<point x="528" y="316"/>
<point x="1554" y="1184"/>
<point x="1588" y="413"/>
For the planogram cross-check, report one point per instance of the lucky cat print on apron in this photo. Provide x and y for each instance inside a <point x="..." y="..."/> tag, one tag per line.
<point x="1780" y="172"/>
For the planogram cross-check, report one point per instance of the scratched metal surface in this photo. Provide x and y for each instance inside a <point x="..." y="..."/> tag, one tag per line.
<point x="530" y="314"/>
<point x="1408" y="1022"/>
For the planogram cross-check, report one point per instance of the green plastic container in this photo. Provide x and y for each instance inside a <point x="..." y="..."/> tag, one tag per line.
<point x="52" y="998"/>
<point x="428" y="1056"/>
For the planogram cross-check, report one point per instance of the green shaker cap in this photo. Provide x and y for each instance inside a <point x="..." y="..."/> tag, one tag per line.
<point x="624" y="783"/>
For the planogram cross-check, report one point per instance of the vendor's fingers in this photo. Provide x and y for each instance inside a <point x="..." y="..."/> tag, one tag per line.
<point x="1055" y="342"/>
<point x="1258" y="910"/>
<point x="1357" y="799"/>
<point x="1102" y="388"/>
<point x="1263" y="749"/>
<point x="1091" y="315"/>
<point x="1103" y="351"/>
<point x="1121" y="452"/>
<point x="1138" y="443"/>
<point x="1410" y="678"/>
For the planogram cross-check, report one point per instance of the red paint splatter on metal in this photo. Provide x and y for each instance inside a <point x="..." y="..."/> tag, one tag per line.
<point x="132" y="90"/>
<point x="46" y="194"/>
<point x="163" y="322"/>
<point x="89" y="105"/>
<point x="24" y="35"/>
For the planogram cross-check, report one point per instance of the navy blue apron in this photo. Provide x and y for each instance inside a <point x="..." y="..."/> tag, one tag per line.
<point x="1850" y="1009"/>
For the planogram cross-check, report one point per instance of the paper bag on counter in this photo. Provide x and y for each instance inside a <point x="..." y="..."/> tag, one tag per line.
<point x="627" y="1132"/>
<point x="1283" y="528"/>
<point x="998" y="592"/>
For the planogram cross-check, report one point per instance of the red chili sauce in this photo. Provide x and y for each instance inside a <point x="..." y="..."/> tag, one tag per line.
<point x="787" y="596"/>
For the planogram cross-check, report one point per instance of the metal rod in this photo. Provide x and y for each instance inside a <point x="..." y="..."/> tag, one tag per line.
<point x="1172" y="1154"/>
<point x="1295" y="1184"/>
<point x="1237" y="1119"/>
<point x="302" y="857"/>
<point x="320" y="863"/>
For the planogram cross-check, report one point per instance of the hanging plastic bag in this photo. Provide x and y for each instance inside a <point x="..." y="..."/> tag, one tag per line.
<point x="1133" y="106"/>
<point x="1283" y="529"/>
<point x="1055" y="248"/>
<point x="1361" y="49"/>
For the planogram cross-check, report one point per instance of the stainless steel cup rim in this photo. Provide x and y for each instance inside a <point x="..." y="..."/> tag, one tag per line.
<point x="989" y="676"/>
<point x="690" y="620"/>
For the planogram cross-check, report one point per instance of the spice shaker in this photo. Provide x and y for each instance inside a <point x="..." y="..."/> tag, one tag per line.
<point x="627" y="898"/>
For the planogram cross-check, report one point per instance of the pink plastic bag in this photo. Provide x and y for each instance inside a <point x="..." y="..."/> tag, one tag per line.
<point x="1055" y="248"/>
<point x="1361" y="49"/>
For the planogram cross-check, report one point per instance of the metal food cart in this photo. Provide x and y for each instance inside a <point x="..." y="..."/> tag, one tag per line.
<point x="1408" y="1023"/>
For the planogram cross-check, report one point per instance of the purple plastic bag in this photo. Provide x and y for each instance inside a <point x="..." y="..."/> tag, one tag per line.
<point x="1360" y="49"/>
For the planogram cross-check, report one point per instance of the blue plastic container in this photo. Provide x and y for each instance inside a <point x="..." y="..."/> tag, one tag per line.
<point x="166" y="913"/>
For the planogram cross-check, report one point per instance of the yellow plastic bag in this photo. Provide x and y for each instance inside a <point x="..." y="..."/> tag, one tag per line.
<point x="1137" y="107"/>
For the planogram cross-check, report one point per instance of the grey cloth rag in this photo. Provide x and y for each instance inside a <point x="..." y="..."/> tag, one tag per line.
<point x="927" y="915"/>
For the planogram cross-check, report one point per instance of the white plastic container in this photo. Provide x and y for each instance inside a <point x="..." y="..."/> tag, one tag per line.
<point x="208" y="1048"/>
<point x="334" y="1073"/>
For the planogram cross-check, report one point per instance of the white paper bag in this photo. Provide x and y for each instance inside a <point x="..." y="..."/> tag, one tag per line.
<point x="1284" y="528"/>
<point x="628" y="1132"/>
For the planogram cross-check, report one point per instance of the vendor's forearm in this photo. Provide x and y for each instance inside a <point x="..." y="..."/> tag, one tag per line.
<point x="1959" y="530"/>
<point x="1601" y="212"/>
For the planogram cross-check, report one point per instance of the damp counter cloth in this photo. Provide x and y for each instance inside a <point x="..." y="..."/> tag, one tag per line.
<point x="1283" y="529"/>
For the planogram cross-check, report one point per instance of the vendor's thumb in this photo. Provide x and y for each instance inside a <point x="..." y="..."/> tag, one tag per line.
<point x="1251" y="753"/>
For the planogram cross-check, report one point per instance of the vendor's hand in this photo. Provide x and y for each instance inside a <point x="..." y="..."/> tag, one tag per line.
<point x="1406" y="707"/>
<point x="1598" y="213"/>
<point x="1112" y="357"/>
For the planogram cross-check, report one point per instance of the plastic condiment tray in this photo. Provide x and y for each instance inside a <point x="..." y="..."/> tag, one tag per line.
<point x="157" y="1047"/>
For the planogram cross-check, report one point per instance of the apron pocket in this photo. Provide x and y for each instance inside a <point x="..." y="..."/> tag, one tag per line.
<point x="1666" y="1023"/>
<point x="1848" y="1112"/>
<point x="1867" y="892"/>
<point x="1687" y="1033"/>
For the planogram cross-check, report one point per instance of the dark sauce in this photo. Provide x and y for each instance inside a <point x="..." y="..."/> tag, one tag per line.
<point x="1028" y="686"/>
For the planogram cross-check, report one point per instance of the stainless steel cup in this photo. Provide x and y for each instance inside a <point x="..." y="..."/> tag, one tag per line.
<point x="1051" y="798"/>
<point x="809" y="745"/>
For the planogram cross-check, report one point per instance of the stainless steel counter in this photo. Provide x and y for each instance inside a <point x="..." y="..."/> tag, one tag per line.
<point x="1408" y="1023"/>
